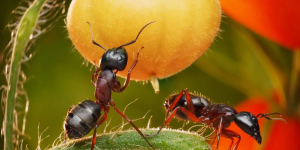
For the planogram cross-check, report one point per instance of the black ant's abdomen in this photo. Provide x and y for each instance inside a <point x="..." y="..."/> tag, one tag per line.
<point x="81" y="119"/>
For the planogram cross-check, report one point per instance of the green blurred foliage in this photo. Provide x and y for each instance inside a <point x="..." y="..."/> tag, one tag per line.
<point x="229" y="72"/>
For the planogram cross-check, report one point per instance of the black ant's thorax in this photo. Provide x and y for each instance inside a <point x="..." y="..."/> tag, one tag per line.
<point x="105" y="82"/>
<point x="109" y="76"/>
<point x="214" y="111"/>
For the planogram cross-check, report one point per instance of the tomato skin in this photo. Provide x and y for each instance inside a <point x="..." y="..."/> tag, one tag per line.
<point x="277" y="20"/>
<point x="183" y="30"/>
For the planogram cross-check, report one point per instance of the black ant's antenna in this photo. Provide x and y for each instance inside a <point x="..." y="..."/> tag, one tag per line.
<point x="136" y="36"/>
<point x="94" y="42"/>
<point x="259" y="116"/>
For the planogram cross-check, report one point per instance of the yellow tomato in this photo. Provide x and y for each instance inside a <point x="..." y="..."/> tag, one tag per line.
<point x="183" y="30"/>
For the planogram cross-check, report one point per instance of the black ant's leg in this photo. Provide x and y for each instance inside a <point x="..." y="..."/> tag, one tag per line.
<point x="95" y="75"/>
<point x="189" y="102"/>
<point x="112" y="103"/>
<point x="129" y="71"/>
<point x="103" y="119"/>
<point x="223" y="135"/>
<point x="219" y="131"/>
<point x="230" y="134"/>
<point x="65" y="134"/>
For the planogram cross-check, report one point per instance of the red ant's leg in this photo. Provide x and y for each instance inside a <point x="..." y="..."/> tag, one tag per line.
<point x="223" y="135"/>
<point x="167" y="121"/>
<point x="173" y="104"/>
<point x="95" y="75"/>
<point x="169" y="116"/>
<point x="129" y="71"/>
<point x="219" y="131"/>
<point x="175" y="101"/>
<point x="229" y="134"/>
<point x="112" y="103"/>
<point x="189" y="102"/>
<point x="103" y="118"/>
<point x="213" y="140"/>
<point x="190" y="115"/>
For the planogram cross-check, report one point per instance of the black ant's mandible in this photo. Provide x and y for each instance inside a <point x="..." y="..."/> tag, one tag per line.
<point x="82" y="118"/>
<point x="219" y="116"/>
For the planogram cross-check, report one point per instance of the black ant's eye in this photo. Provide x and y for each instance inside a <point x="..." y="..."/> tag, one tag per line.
<point x="120" y="58"/>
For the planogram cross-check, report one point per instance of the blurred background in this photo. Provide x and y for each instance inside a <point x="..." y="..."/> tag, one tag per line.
<point x="246" y="67"/>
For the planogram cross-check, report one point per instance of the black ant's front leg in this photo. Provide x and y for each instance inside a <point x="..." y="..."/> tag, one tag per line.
<point x="117" y="88"/>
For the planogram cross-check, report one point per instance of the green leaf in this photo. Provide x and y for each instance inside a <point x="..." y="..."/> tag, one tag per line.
<point x="130" y="139"/>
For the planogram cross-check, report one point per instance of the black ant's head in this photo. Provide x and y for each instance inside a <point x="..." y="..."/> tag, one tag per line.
<point x="115" y="58"/>
<point x="249" y="124"/>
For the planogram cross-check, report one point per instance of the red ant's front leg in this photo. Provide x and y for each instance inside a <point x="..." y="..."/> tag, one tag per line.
<point x="95" y="75"/>
<point x="189" y="102"/>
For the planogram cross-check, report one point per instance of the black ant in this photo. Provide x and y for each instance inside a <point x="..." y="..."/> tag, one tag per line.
<point x="85" y="116"/>
<point x="218" y="116"/>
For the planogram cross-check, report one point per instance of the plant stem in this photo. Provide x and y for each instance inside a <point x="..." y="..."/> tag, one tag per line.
<point x="25" y="30"/>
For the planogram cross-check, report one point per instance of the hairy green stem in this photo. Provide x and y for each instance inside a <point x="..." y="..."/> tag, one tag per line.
<point x="167" y="139"/>
<point x="25" y="30"/>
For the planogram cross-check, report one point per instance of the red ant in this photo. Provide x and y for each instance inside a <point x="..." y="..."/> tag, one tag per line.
<point x="218" y="116"/>
<point x="85" y="116"/>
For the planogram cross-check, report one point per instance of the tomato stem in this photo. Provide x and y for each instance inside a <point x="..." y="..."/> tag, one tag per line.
<point x="155" y="84"/>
